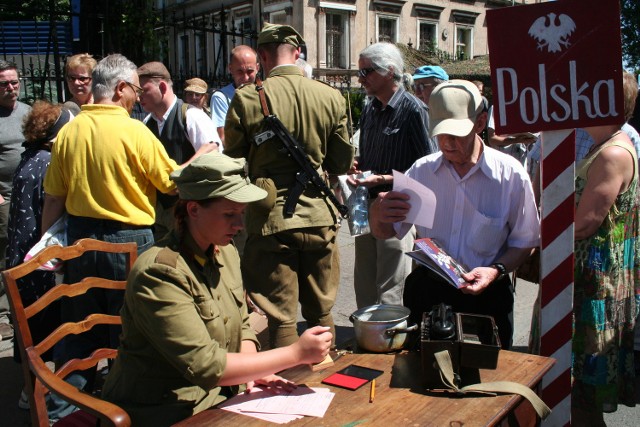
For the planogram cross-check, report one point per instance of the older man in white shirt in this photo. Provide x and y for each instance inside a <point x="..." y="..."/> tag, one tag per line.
<point x="485" y="216"/>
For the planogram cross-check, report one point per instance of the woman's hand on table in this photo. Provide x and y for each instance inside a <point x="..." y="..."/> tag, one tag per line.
<point x="273" y="383"/>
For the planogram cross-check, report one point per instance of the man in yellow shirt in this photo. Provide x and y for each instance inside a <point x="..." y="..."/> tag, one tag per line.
<point x="105" y="169"/>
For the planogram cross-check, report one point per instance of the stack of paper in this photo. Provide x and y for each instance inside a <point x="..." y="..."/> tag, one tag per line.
<point x="281" y="408"/>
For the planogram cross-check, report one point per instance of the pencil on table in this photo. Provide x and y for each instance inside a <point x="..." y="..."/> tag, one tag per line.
<point x="372" y="393"/>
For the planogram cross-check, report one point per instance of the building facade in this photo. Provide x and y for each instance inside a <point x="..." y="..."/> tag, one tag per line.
<point x="200" y="33"/>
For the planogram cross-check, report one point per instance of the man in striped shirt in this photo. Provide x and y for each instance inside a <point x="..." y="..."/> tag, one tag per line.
<point x="394" y="133"/>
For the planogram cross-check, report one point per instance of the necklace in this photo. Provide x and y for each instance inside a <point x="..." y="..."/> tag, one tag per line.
<point x="595" y="146"/>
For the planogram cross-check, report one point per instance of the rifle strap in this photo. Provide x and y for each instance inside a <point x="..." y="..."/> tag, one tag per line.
<point x="263" y="98"/>
<point x="299" y="186"/>
<point x="443" y="359"/>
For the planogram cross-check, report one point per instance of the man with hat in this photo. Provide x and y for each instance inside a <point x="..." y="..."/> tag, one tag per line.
<point x="485" y="216"/>
<point x="195" y="93"/>
<point x="289" y="258"/>
<point x="426" y="78"/>
<point x="183" y="130"/>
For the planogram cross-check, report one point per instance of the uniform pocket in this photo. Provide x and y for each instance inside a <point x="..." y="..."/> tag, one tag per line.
<point x="207" y="310"/>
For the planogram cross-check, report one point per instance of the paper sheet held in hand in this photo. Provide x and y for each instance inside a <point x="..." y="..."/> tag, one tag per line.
<point x="422" y="200"/>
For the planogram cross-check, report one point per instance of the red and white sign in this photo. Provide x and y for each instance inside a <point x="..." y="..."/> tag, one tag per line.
<point x="556" y="65"/>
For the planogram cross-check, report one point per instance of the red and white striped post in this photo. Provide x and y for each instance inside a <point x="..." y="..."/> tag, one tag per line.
<point x="557" y="230"/>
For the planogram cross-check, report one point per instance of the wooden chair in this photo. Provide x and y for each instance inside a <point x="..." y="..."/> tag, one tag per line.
<point x="39" y="378"/>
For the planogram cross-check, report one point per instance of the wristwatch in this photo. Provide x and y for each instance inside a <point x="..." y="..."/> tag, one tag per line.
<point x="502" y="270"/>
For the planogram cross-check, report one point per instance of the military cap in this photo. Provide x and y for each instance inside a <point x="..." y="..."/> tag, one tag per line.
<point x="216" y="175"/>
<point x="154" y="69"/>
<point x="275" y="33"/>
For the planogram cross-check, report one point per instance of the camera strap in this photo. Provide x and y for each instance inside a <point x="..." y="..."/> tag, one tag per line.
<point x="445" y="366"/>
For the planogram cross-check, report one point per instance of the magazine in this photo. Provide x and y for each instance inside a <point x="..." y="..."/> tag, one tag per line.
<point x="431" y="255"/>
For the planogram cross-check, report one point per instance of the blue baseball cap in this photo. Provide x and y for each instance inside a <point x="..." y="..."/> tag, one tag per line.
<point x="430" y="71"/>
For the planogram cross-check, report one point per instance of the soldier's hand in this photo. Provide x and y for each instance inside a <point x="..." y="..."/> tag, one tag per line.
<point x="313" y="345"/>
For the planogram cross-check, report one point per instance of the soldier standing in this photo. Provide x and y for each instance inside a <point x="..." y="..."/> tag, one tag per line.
<point x="289" y="258"/>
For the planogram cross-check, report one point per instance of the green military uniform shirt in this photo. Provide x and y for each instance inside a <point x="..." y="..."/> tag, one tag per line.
<point x="315" y="115"/>
<point x="183" y="312"/>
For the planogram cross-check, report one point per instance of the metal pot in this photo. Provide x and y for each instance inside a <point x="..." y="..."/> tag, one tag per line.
<point x="381" y="328"/>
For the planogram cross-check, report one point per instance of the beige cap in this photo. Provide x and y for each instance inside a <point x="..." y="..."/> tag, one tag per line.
<point x="154" y="69"/>
<point x="454" y="107"/>
<point x="216" y="175"/>
<point x="196" y="85"/>
<point x="275" y="33"/>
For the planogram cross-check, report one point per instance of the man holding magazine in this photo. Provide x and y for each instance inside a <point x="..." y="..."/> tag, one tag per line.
<point x="485" y="214"/>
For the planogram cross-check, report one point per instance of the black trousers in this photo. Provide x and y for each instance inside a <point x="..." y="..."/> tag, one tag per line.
<point x="424" y="289"/>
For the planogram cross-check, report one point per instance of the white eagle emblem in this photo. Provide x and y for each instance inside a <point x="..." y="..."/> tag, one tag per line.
<point x="552" y="35"/>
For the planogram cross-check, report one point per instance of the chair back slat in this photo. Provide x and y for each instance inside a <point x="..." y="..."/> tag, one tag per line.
<point x="39" y="379"/>
<point x="75" y="328"/>
<point x="72" y="290"/>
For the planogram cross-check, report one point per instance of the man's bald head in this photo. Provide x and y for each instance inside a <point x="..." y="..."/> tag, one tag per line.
<point x="243" y="65"/>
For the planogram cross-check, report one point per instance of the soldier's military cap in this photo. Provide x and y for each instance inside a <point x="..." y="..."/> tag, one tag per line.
<point x="275" y="33"/>
<point x="216" y="175"/>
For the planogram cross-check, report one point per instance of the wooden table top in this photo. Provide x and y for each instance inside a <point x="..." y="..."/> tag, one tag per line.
<point x="400" y="398"/>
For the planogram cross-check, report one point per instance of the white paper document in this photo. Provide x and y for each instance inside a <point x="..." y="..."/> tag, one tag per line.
<point x="281" y="408"/>
<point x="422" y="200"/>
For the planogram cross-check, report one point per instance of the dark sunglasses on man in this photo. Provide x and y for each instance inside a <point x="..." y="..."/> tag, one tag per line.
<point x="364" y="72"/>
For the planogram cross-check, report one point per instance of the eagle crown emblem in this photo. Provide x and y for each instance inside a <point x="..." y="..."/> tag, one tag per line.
<point x="552" y="33"/>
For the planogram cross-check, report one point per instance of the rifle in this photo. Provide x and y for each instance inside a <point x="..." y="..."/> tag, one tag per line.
<point x="307" y="172"/>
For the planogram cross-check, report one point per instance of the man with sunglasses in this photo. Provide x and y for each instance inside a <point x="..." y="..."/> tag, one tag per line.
<point x="12" y="113"/>
<point x="394" y="133"/>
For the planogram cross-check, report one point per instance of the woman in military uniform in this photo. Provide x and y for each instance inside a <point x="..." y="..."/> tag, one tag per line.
<point x="186" y="343"/>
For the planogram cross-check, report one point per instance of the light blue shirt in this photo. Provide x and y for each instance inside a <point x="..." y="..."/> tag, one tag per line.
<point x="220" y="101"/>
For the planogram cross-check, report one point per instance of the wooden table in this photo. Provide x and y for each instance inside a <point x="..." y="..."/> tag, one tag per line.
<point x="400" y="400"/>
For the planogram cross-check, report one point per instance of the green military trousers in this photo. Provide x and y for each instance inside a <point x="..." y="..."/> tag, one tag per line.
<point x="290" y="266"/>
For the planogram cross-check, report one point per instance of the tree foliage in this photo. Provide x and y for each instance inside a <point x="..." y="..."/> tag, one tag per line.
<point x="630" y="29"/>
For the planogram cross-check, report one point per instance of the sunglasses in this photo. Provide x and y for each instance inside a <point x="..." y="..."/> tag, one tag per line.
<point x="364" y="72"/>
<point x="422" y="86"/>
<point x="137" y="89"/>
<point x="5" y="83"/>
<point x="81" y="79"/>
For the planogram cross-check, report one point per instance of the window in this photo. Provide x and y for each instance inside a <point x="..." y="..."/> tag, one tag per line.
<point x="242" y="29"/>
<point x="184" y="53"/>
<point x="279" y="17"/>
<point x="337" y="35"/>
<point x="427" y="36"/>
<point x="201" y="54"/>
<point x="464" y="48"/>
<point x="387" y="29"/>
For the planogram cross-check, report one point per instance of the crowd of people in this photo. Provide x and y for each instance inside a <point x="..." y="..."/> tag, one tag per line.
<point x="192" y="177"/>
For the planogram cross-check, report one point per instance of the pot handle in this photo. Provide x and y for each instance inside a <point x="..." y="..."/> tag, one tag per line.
<point x="352" y="318"/>
<point x="391" y="332"/>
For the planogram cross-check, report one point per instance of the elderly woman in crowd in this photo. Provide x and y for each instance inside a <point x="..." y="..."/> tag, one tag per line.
<point x="607" y="258"/>
<point x="186" y="343"/>
<point x="78" y="75"/>
<point x="40" y="128"/>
